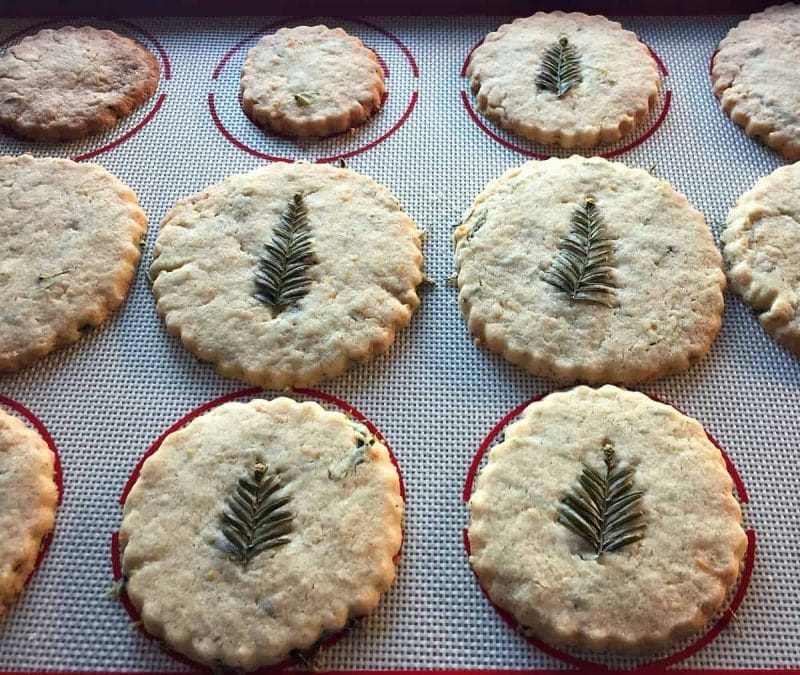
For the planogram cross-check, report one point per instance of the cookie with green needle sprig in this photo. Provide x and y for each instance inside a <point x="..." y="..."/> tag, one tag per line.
<point x="259" y="529"/>
<point x="585" y="270"/>
<point x="606" y="521"/>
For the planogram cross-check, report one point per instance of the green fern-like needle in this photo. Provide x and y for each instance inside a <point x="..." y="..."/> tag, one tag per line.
<point x="560" y="69"/>
<point x="604" y="510"/>
<point x="580" y="267"/>
<point x="255" y="519"/>
<point x="282" y="275"/>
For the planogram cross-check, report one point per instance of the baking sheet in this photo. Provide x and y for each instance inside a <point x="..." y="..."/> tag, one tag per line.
<point x="434" y="396"/>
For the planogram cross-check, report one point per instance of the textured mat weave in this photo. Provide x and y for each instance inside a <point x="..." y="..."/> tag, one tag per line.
<point x="434" y="396"/>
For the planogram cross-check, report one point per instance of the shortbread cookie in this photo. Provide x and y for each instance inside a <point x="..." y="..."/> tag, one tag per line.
<point x="585" y="270"/>
<point x="311" y="81"/>
<point x="762" y="248"/>
<point x="72" y="82"/>
<point x="28" y="498"/>
<point x="258" y="529"/>
<point x="756" y="78"/>
<point x="70" y="238"/>
<point x="631" y="569"/>
<point x="567" y="79"/>
<point x="288" y="274"/>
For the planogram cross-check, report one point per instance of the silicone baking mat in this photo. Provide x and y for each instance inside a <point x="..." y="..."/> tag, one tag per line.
<point x="434" y="396"/>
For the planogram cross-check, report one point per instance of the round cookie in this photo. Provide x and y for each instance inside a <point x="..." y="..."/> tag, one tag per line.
<point x="28" y="498"/>
<point x="586" y="270"/>
<point x="669" y="529"/>
<point x="288" y="274"/>
<point x="70" y="236"/>
<point x="761" y="244"/>
<point x="564" y="79"/>
<point x="311" y="81"/>
<point x="259" y="528"/>
<point x="71" y="82"/>
<point x="755" y="76"/>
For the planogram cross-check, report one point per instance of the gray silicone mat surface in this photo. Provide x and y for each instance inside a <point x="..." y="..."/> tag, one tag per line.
<point x="434" y="396"/>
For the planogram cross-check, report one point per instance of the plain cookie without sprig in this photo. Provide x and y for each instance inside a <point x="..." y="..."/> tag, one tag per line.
<point x="70" y="238"/>
<point x="664" y="308"/>
<point x="28" y="498"/>
<point x="756" y="78"/>
<point x="311" y="81"/>
<point x="761" y="242"/>
<point x="71" y="82"/>
<point x="615" y="89"/>
<point x="358" y="284"/>
<point x="340" y="513"/>
<point x="642" y="596"/>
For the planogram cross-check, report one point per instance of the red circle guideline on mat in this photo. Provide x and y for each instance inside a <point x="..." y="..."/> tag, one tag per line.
<point x="483" y="124"/>
<point x="322" y="397"/>
<point x="657" y="665"/>
<point x="231" y="137"/>
<point x="157" y="99"/>
<point x="58" y="476"/>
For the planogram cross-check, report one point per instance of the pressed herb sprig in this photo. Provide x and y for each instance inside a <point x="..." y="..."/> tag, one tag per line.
<point x="604" y="510"/>
<point x="580" y="267"/>
<point x="255" y="519"/>
<point x="560" y="70"/>
<point x="282" y="275"/>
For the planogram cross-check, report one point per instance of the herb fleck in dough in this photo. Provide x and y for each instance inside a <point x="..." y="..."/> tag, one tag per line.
<point x="637" y="599"/>
<point x="186" y="580"/>
<point x="665" y="270"/>
<point x="613" y="89"/>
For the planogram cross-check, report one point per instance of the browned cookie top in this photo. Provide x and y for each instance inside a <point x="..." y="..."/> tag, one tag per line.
<point x="72" y="82"/>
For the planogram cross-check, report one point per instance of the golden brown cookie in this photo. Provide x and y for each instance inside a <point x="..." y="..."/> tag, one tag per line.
<point x="71" y="82"/>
